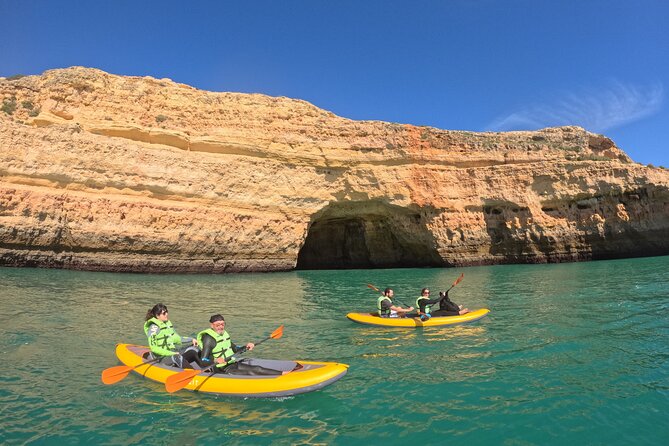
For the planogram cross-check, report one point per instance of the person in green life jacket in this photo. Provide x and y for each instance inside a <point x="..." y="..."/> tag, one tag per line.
<point x="425" y="305"/>
<point x="218" y="350"/>
<point x="386" y="307"/>
<point x="165" y="343"/>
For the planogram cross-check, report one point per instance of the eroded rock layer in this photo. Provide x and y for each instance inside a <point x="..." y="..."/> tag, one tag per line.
<point x="105" y="172"/>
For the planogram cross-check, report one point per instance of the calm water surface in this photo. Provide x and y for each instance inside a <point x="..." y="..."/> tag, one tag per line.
<point x="571" y="353"/>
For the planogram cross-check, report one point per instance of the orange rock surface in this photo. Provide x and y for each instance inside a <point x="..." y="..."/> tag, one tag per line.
<point x="114" y="173"/>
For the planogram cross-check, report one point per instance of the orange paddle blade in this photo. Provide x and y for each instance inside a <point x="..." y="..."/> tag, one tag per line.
<point x="115" y="374"/>
<point x="180" y="380"/>
<point x="459" y="279"/>
<point x="276" y="334"/>
<point x="369" y="285"/>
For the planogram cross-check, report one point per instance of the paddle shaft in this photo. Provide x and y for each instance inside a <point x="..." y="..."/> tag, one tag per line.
<point x="391" y="299"/>
<point x="113" y="375"/>
<point x="181" y="380"/>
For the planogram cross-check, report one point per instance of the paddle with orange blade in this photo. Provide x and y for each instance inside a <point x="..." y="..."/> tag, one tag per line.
<point x="182" y="379"/>
<point x="113" y="375"/>
<point x="457" y="281"/>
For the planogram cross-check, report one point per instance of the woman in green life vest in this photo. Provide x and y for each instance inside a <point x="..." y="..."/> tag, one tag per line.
<point x="218" y="350"/>
<point x="165" y="342"/>
<point x="424" y="304"/>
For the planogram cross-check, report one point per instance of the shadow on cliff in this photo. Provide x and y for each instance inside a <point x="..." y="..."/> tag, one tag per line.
<point x="616" y="225"/>
<point x="368" y="234"/>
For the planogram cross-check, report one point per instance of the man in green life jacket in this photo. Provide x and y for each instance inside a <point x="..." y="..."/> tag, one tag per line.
<point x="386" y="307"/>
<point x="218" y="350"/>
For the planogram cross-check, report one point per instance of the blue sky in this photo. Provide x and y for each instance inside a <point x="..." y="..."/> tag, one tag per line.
<point x="455" y="64"/>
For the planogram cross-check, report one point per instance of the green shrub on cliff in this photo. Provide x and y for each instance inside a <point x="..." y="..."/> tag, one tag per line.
<point x="9" y="106"/>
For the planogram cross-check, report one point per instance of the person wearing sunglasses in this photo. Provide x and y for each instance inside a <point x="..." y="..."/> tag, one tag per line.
<point x="446" y="306"/>
<point x="165" y="343"/>
<point x="424" y="304"/>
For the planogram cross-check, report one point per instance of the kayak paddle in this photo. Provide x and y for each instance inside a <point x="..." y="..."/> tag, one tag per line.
<point x="113" y="375"/>
<point x="369" y="285"/>
<point x="457" y="281"/>
<point x="182" y="379"/>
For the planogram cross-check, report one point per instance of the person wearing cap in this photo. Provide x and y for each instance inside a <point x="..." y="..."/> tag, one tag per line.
<point x="218" y="350"/>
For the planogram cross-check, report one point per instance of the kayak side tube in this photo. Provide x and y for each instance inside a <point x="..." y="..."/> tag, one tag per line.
<point x="412" y="322"/>
<point x="307" y="376"/>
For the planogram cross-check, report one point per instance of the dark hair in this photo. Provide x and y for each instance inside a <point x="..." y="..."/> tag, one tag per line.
<point x="424" y="290"/>
<point x="387" y="290"/>
<point x="216" y="318"/>
<point x="155" y="311"/>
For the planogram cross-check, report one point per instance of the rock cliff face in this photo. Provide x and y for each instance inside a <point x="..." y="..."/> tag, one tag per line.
<point x="104" y="172"/>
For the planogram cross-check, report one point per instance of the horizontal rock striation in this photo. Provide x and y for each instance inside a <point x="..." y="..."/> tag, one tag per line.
<point x="113" y="173"/>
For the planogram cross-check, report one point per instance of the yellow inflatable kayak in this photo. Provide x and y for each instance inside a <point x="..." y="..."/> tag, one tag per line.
<point x="374" y="319"/>
<point x="306" y="376"/>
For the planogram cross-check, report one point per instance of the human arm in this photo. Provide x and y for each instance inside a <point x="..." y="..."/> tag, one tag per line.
<point x="207" y="348"/>
<point x="422" y="303"/>
<point x="187" y="340"/>
<point x="401" y="309"/>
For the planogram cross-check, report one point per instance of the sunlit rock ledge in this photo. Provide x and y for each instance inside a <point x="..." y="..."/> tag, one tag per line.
<point x="116" y="173"/>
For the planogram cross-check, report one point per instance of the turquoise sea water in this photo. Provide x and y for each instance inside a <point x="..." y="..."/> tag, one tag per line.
<point x="570" y="354"/>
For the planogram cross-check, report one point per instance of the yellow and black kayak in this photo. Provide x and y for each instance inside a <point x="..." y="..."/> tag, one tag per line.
<point x="374" y="319"/>
<point x="306" y="376"/>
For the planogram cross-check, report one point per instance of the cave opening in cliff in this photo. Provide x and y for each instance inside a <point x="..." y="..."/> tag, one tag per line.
<point x="368" y="234"/>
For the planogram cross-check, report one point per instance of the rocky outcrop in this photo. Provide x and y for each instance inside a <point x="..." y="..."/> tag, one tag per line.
<point x="104" y="172"/>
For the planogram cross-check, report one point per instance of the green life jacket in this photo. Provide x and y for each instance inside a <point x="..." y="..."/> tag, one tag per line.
<point x="223" y="348"/>
<point x="164" y="343"/>
<point x="383" y="311"/>
<point x="428" y="308"/>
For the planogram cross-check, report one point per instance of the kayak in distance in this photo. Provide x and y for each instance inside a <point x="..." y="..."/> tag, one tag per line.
<point x="412" y="322"/>
<point x="304" y="376"/>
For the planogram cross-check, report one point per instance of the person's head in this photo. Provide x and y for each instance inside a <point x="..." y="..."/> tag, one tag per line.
<point x="425" y="292"/>
<point x="217" y="323"/>
<point x="159" y="311"/>
<point x="388" y="292"/>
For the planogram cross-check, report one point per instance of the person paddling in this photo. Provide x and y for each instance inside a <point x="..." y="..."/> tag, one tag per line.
<point x="218" y="350"/>
<point x="386" y="308"/>
<point x="424" y="304"/>
<point x="163" y="339"/>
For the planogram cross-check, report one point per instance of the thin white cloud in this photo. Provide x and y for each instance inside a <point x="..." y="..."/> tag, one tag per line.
<point x="596" y="110"/>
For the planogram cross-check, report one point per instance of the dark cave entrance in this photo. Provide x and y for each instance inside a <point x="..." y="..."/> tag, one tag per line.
<point x="368" y="234"/>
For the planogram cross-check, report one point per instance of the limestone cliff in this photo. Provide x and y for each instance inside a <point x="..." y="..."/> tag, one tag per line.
<point x="105" y="172"/>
